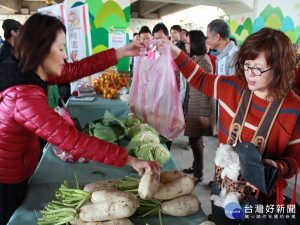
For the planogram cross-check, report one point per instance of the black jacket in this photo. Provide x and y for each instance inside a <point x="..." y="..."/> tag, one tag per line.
<point x="5" y="50"/>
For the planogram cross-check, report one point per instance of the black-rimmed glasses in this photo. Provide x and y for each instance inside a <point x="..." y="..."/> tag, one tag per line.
<point x="256" y="71"/>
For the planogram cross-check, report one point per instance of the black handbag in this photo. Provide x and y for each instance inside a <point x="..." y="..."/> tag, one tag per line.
<point x="253" y="170"/>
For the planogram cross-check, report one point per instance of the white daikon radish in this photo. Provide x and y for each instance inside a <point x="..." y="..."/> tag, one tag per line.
<point x="109" y="210"/>
<point x="149" y="184"/>
<point x="170" y="175"/>
<point x="108" y="195"/>
<point x="124" y="221"/>
<point x="182" y="186"/>
<point x="181" y="206"/>
<point x="100" y="185"/>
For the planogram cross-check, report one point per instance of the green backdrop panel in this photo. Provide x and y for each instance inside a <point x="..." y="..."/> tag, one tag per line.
<point x="114" y="21"/>
<point x="99" y="37"/>
<point x="94" y="6"/>
<point x="107" y="9"/>
<point x="99" y="48"/>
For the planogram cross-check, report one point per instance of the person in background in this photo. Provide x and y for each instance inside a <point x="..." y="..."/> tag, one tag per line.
<point x="11" y="28"/>
<point x="1" y="40"/>
<point x="175" y="32"/>
<point x="199" y="109"/>
<point x="218" y="34"/>
<point x="136" y="37"/>
<point x="160" y="32"/>
<point x="25" y="113"/>
<point x="265" y="66"/>
<point x="144" y="35"/>
<point x="212" y="57"/>
<point x="183" y="35"/>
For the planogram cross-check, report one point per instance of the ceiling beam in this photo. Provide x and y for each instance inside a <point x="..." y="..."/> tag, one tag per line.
<point x="149" y="7"/>
<point x="11" y="5"/>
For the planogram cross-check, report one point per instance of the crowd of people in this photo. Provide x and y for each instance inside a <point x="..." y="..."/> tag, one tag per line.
<point x="212" y="72"/>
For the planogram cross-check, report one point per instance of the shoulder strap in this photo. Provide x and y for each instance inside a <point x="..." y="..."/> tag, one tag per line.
<point x="263" y="131"/>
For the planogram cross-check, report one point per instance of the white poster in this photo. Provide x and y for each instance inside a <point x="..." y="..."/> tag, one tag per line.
<point x="116" y="38"/>
<point x="79" y="32"/>
<point x="58" y="11"/>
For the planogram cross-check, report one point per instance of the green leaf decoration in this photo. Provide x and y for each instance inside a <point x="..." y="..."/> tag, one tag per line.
<point x="99" y="48"/>
<point x="269" y="10"/>
<point x="233" y="26"/>
<point x="127" y="14"/>
<point x="274" y="22"/>
<point x="248" y="25"/>
<point x="107" y="9"/>
<point x="244" y="34"/>
<point x="114" y="21"/>
<point x="291" y="35"/>
<point x="239" y="29"/>
<point x="297" y="6"/>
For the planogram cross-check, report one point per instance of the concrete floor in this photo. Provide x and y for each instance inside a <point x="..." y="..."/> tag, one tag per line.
<point x="184" y="159"/>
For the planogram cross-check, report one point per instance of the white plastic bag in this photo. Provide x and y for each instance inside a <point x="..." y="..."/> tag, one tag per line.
<point x="154" y="94"/>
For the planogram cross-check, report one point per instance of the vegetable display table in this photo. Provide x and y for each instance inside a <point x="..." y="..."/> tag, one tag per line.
<point x="89" y="111"/>
<point x="51" y="173"/>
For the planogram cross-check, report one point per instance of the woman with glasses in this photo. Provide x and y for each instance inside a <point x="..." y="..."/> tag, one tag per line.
<point x="199" y="109"/>
<point x="265" y="66"/>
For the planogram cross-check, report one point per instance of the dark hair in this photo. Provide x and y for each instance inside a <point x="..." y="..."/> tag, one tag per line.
<point x="31" y="47"/>
<point x="176" y="27"/>
<point x="184" y="30"/>
<point x="220" y="27"/>
<point x="234" y="40"/>
<point x="144" y="29"/>
<point x="134" y="34"/>
<point x="279" y="55"/>
<point x="197" y="42"/>
<point x="7" y="33"/>
<point x="160" y="26"/>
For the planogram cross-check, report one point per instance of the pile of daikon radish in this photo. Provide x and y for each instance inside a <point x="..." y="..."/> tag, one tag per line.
<point x="109" y="206"/>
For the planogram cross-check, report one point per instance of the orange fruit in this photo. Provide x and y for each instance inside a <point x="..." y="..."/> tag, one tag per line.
<point x="109" y="96"/>
<point x="115" y="96"/>
<point x="105" y="91"/>
<point x="113" y="91"/>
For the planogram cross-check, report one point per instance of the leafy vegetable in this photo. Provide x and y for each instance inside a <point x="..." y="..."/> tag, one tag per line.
<point x="109" y="128"/>
<point x="141" y="138"/>
<point x="63" y="208"/>
<point x="154" y="152"/>
<point x="132" y="120"/>
<point x="139" y="128"/>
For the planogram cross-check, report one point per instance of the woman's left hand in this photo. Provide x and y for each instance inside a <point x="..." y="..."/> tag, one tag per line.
<point x="131" y="49"/>
<point x="140" y="164"/>
<point x="269" y="162"/>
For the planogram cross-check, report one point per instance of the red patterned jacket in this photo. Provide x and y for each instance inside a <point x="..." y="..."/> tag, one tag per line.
<point x="25" y="114"/>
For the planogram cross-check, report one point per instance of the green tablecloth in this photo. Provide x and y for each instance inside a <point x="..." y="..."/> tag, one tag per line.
<point x="89" y="111"/>
<point x="52" y="171"/>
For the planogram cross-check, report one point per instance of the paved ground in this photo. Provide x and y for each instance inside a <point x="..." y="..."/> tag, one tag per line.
<point x="184" y="159"/>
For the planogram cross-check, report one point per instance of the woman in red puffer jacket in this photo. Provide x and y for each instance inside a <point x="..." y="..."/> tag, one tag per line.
<point x="25" y="113"/>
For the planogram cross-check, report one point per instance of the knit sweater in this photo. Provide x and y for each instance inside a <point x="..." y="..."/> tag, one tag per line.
<point x="284" y="141"/>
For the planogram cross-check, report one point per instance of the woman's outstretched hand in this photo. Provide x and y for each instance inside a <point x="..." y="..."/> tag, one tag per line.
<point x="174" y="49"/>
<point x="140" y="164"/>
<point x="131" y="49"/>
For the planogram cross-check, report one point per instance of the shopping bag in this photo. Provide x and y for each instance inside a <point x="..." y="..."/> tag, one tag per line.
<point x="154" y="96"/>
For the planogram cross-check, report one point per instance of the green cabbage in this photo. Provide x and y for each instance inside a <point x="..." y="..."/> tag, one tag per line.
<point x="132" y="120"/>
<point x="141" y="138"/>
<point x="139" y="128"/>
<point x="154" y="152"/>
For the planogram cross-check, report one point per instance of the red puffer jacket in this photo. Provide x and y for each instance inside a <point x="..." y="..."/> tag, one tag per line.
<point x="25" y="114"/>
